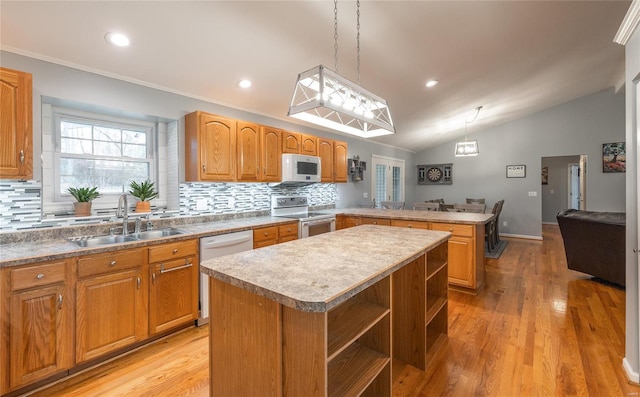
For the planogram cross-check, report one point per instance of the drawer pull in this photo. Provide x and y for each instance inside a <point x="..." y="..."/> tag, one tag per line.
<point x="113" y="263"/>
<point x="175" y="250"/>
<point x="21" y="157"/>
<point x="409" y="226"/>
<point x="40" y="276"/>
<point x="185" y="266"/>
<point x="266" y="234"/>
<point x="451" y="229"/>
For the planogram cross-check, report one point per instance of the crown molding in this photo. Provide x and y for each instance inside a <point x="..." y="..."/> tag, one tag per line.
<point x="629" y="23"/>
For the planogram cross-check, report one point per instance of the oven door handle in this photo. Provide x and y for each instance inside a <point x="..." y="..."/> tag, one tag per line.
<point x="319" y="222"/>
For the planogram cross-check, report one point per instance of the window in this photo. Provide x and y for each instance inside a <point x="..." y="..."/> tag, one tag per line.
<point x="100" y="150"/>
<point x="388" y="181"/>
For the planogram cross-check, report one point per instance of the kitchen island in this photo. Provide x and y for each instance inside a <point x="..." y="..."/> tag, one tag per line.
<point x="325" y="315"/>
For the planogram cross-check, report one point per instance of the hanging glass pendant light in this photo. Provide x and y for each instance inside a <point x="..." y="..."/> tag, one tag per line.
<point x="325" y="98"/>
<point x="468" y="148"/>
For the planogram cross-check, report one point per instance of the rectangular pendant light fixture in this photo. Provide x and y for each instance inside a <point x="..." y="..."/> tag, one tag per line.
<point x="325" y="98"/>
<point x="467" y="148"/>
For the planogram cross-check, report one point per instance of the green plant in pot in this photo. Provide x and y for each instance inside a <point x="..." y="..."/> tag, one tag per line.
<point x="83" y="196"/>
<point x="145" y="192"/>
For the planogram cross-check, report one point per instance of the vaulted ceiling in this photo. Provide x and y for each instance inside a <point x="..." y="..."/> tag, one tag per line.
<point x="513" y="58"/>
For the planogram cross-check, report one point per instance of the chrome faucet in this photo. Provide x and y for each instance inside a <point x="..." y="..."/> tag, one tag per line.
<point x="123" y="211"/>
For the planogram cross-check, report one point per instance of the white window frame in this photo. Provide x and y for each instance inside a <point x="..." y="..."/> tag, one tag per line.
<point x="60" y="200"/>
<point x="389" y="163"/>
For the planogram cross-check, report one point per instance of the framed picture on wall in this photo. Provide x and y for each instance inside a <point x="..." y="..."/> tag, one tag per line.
<point x="517" y="171"/>
<point x="614" y="157"/>
<point x="545" y="175"/>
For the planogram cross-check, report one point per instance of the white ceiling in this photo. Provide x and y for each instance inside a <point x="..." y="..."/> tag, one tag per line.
<point x="513" y="58"/>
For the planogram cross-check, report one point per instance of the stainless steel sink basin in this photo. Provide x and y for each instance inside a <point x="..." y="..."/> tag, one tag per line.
<point x="102" y="240"/>
<point x="149" y="234"/>
<point x="96" y="241"/>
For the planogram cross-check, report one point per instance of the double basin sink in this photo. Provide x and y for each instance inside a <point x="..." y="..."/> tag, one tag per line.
<point x="96" y="241"/>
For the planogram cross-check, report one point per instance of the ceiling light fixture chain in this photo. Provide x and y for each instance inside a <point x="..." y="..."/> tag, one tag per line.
<point x="358" y="37"/>
<point x="335" y="33"/>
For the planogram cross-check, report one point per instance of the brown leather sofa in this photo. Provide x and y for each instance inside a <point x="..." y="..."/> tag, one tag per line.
<point x="594" y="243"/>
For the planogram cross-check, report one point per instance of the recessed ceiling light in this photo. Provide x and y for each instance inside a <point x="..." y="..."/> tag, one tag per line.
<point x="117" y="39"/>
<point x="431" y="83"/>
<point x="244" y="83"/>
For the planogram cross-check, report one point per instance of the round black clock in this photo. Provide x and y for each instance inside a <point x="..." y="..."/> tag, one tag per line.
<point x="434" y="174"/>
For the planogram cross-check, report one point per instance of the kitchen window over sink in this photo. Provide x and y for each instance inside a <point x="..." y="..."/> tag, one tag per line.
<point x="98" y="149"/>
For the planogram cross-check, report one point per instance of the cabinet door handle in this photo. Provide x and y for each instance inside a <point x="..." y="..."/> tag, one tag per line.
<point x="113" y="263"/>
<point x="60" y="299"/>
<point x="22" y="157"/>
<point x="185" y="266"/>
<point x="153" y="278"/>
<point x="40" y="276"/>
<point x="138" y="281"/>
<point x="204" y="168"/>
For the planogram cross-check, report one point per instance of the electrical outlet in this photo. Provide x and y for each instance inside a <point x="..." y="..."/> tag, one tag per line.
<point x="231" y="202"/>
<point x="504" y="223"/>
<point x="365" y="195"/>
<point x="201" y="204"/>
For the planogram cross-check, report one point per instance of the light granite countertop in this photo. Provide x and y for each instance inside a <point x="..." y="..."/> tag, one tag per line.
<point x="467" y="218"/>
<point x="29" y="251"/>
<point x="317" y="273"/>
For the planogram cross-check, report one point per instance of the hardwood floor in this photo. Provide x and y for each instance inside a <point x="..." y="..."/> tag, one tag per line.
<point x="536" y="329"/>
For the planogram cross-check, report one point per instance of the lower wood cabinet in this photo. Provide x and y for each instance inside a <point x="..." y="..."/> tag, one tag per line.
<point x="287" y="233"/>
<point x="111" y="297"/>
<point x="375" y="221"/>
<point x="173" y="292"/>
<point x="38" y="323"/>
<point x="265" y="236"/>
<point x="466" y="255"/>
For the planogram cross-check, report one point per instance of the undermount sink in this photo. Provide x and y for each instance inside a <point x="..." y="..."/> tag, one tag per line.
<point x="96" y="241"/>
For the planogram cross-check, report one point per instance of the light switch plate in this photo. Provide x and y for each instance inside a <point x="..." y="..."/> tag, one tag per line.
<point x="201" y="204"/>
<point x="533" y="194"/>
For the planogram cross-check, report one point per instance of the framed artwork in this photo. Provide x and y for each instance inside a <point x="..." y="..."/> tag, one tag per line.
<point x="545" y="175"/>
<point x="614" y="157"/>
<point x="517" y="171"/>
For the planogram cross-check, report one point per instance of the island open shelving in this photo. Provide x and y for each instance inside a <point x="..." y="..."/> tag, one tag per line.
<point x="335" y="321"/>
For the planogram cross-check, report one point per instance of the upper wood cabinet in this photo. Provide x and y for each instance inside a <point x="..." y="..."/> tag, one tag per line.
<point x="271" y="161"/>
<point x="291" y="142"/>
<point x="248" y="152"/>
<point x="334" y="160"/>
<point x="16" y="125"/>
<point x="340" y="161"/>
<point x="210" y="153"/>
<point x="325" y="151"/>
<point x="308" y="145"/>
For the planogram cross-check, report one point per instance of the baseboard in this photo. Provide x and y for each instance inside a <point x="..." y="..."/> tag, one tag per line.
<point x="550" y="223"/>
<point x="522" y="236"/>
<point x="632" y="376"/>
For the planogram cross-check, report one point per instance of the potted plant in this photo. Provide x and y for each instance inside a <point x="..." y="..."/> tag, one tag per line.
<point x="144" y="191"/>
<point x="83" y="196"/>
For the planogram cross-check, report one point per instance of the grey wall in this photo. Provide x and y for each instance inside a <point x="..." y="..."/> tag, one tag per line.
<point x="555" y="194"/>
<point x="632" y="80"/>
<point x="577" y="127"/>
<point x="66" y="83"/>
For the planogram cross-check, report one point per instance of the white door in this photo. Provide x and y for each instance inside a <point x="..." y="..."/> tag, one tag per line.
<point x="388" y="179"/>
<point x="574" y="186"/>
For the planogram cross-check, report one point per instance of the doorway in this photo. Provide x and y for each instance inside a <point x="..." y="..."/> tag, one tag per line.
<point x="574" y="186"/>
<point x="564" y="185"/>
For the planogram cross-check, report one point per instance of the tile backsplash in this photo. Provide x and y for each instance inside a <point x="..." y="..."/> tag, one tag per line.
<point x="21" y="201"/>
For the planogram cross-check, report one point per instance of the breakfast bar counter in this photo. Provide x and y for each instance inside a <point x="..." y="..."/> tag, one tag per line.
<point x="321" y="316"/>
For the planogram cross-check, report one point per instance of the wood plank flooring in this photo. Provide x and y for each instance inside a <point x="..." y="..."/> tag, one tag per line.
<point x="536" y="329"/>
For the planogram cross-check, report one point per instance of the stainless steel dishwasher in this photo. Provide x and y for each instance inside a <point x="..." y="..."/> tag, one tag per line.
<point x="215" y="247"/>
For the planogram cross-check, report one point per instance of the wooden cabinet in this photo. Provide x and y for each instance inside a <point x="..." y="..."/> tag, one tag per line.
<point x="325" y="151"/>
<point x="270" y="235"/>
<point x="376" y="221"/>
<point x="340" y="170"/>
<point x="466" y="255"/>
<point x="173" y="291"/>
<point x="16" y="125"/>
<point x="249" y="152"/>
<point x="287" y="232"/>
<point x="334" y="160"/>
<point x="308" y="145"/>
<point x="39" y="324"/>
<point x="271" y="150"/>
<point x="111" y="303"/>
<point x="210" y="152"/>
<point x="349" y="221"/>
<point x="410" y="224"/>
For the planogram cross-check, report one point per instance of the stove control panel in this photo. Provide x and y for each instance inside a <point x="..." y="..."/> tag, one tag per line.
<point x="288" y="201"/>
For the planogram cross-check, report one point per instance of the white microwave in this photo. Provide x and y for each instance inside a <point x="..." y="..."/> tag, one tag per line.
<point x="300" y="169"/>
